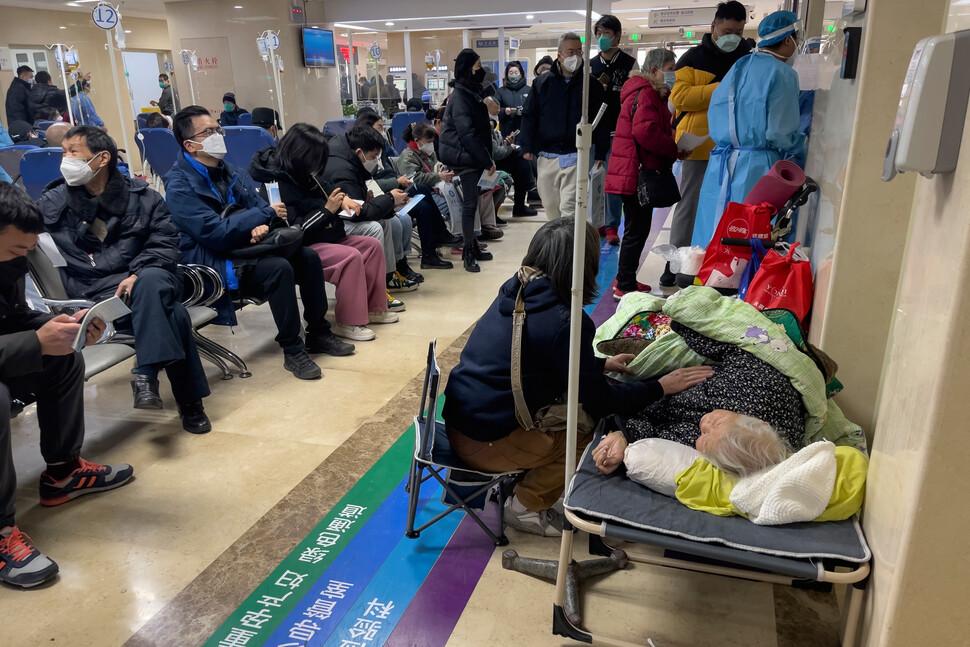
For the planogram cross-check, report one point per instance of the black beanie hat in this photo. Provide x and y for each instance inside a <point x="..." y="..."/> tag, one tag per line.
<point x="464" y="63"/>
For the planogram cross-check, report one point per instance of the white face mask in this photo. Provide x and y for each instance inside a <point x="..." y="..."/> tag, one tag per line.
<point x="571" y="63"/>
<point x="369" y="165"/>
<point x="76" y="171"/>
<point x="214" y="145"/>
<point x="427" y="148"/>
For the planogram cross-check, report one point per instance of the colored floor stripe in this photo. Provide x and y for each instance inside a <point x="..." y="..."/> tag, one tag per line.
<point x="356" y="564"/>
<point x="382" y="604"/>
<point x="432" y="615"/>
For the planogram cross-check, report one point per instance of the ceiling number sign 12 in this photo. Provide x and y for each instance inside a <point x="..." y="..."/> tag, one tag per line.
<point x="104" y="16"/>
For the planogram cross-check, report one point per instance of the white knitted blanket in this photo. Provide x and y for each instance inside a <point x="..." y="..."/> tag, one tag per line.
<point x="797" y="489"/>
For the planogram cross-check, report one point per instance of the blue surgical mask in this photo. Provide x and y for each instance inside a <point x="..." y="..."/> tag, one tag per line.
<point x="669" y="79"/>
<point x="728" y="42"/>
<point x="604" y="43"/>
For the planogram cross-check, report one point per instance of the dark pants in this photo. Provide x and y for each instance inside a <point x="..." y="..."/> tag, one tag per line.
<point x="431" y="226"/>
<point x="163" y="333"/>
<point x="634" y="237"/>
<point x="274" y="279"/>
<point x="521" y="171"/>
<point x="59" y="393"/>
<point x="469" y="203"/>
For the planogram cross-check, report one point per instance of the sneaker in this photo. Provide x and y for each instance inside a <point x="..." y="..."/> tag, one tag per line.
<point x="405" y="270"/>
<point x="384" y="317"/>
<point x="329" y="344"/>
<point x="399" y="283"/>
<point x="193" y="418"/>
<point x="612" y="236"/>
<point x="534" y="197"/>
<point x="619" y="294"/>
<point x="355" y="333"/>
<point x="668" y="279"/>
<point x="395" y="305"/>
<point x="491" y="232"/>
<point x="86" y="479"/>
<point x="302" y="366"/>
<point x="523" y="211"/>
<point x="601" y="231"/>
<point x="20" y="563"/>
<point x="501" y="222"/>
<point x="545" y="523"/>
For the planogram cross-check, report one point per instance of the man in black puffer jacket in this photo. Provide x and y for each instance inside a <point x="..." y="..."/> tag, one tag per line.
<point x="117" y="238"/>
<point x="45" y="94"/>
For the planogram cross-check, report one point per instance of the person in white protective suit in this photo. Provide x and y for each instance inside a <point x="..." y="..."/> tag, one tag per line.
<point x="753" y="119"/>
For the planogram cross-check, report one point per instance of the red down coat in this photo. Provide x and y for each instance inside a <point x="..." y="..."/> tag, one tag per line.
<point x="654" y="134"/>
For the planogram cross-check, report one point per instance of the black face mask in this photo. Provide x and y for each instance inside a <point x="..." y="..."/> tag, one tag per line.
<point x="12" y="270"/>
<point x="478" y="75"/>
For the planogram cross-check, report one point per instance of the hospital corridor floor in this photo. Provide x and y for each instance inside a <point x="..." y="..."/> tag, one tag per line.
<point x="200" y="549"/>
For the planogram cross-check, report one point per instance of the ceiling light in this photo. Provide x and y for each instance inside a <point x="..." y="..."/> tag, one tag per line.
<point x="529" y="17"/>
<point x="238" y="6"/>
<point x="73" y="4"/>
<point x="389" y="24"/>
<point x="62" y="27"/>
<point x="127" y="31"/>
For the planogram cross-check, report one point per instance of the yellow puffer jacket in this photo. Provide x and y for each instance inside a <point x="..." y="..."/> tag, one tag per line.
<point x="699" y="71"/>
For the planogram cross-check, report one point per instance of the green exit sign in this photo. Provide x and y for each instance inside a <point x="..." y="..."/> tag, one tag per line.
<point x="831" y="28"/>
<point x="634" y="36"/>
<point x="688" y="34"/>
<point x="582" y="39"/>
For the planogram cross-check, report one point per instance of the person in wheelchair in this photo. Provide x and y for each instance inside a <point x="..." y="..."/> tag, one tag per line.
<point x="117" y="238"/>
<point x="486" y="425"/>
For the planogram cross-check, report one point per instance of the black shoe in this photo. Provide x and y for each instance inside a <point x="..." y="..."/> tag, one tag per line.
<point x="405" y="270"/>
<point x="491" y="232"/>
<point x="435" y="263"/>
<point x="145" y="390"/>
<point x="300" y="365"/>
<point x="451" y="240"/>
<point x="480" y="254"/>
<point x="523" y="211"/>
<point x="329" y="344"/>
<point x="469" y="260"/>
<point x="501" y="222"/>
<point x="534" y="197"/>
<point x="668" y="279"/>
<point x="194" y="419"/>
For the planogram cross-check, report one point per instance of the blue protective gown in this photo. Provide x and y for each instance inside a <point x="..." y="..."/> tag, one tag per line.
<point x="754" y="121"/>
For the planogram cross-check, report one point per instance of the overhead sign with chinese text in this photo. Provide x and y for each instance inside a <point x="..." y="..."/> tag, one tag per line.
<point x="660" y="18"/>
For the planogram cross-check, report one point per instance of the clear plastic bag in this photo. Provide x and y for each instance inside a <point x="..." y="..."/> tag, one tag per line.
<point x="683" y="260"/>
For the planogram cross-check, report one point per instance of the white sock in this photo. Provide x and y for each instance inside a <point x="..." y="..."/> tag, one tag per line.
<point x="515" y="505"/>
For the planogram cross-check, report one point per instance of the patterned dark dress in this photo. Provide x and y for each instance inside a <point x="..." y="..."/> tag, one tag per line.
<point x="741" y="383"/>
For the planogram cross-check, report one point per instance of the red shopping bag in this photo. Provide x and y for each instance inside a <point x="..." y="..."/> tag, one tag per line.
<point x="783" y="282"/>
<point x="724" y="264"/>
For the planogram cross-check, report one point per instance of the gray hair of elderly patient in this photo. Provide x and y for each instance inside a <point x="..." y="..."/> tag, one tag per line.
<point x="751" y="446"/>
<point x="657" y="58"/>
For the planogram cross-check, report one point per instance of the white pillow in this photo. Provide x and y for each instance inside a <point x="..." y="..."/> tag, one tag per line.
<point x="655" y="463"/>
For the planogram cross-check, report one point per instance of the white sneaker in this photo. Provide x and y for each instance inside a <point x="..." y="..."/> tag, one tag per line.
<point x="355" y="333"/>
<point x="545" y="523"/>
<point x="384" y="317"/>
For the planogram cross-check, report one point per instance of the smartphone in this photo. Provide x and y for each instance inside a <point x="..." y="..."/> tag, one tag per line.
<point x="513" y="133"/>
<point x="410" y="176"/>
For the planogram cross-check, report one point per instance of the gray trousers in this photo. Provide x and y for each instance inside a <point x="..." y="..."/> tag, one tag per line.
<point x="59" y="393"/>
<point x="691" y="179"/>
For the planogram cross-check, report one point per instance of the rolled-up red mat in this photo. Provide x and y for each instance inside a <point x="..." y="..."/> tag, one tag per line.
<point x="778" y="185"/>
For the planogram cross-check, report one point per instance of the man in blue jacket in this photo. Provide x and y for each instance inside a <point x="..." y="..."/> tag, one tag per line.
<point x="117" y="239"/>
<point x="218" y="210"/>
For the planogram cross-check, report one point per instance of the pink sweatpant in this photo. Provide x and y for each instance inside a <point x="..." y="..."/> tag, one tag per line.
<point x="356" y="266"/>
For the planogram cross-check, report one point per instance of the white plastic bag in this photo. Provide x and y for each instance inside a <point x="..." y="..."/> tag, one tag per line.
<point x="448" y="191"/>
<point x="596" y="206"/>
<point x="683" y="260"/>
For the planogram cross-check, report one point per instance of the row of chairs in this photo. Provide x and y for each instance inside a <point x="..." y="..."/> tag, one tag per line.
<point x="399" y="122"/>
<point x="31" y="167"/>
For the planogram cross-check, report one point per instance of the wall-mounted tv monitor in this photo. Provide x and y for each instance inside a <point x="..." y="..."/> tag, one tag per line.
<point x="318" y="48"/>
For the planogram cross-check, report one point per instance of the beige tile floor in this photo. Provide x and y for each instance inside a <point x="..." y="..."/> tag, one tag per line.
<point x="124" y="555"/>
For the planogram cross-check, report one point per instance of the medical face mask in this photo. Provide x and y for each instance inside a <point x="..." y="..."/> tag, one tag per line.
<point x="728" y="43"/>
<point x="214" y="145"/>
<point x="161" y="84"/>
<point x="76" y="171"/>
<point x="514" y="77"/>
<point x="227" y="107"/>
<point x="369" y="165"/>
<point x="12" y="270"/>
<point x="604" y="43"/>
<point x="427" y="148"/>
<point x="478" y="75"/>
<point x="571" y="63"/>
<point x="669" y="79"/>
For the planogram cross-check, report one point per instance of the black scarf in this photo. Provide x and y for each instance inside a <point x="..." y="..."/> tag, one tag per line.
<point x="514" y="86"/>
<point x="470" y="84"/>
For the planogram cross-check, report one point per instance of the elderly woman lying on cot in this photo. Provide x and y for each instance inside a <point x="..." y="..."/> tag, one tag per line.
<point x="745" y="417"/>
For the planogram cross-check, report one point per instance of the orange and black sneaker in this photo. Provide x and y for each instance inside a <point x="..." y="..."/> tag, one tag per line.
<point x="86" y="479"/>
<point x="20" y="563"/>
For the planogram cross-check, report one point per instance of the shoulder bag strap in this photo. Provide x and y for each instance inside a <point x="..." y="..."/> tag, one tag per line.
<point x="518" y="324"/>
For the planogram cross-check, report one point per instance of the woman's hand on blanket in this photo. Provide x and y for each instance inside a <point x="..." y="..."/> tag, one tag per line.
<point x="608" y="455"/>
<point x="618" y="363"/>
<point x="684" y="378"/>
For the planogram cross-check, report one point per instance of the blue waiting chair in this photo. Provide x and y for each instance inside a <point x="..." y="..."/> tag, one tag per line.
<point x="10" y="157"/>
<point x="159" y="148"/>
<point x="338" y="126"/>
<point x="399" y="122"/>
<point x="242" y="142"/>
<point x="38" y="168"/>
<point x="141" y="120"/>
<point x="42" y="126"/>
<point x="245" y="119"/>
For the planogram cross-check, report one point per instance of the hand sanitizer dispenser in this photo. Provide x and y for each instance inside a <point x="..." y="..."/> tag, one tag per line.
<point x="932" y="108"/>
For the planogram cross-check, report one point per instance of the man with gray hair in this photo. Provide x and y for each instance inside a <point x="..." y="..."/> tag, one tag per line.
<point x="549" y="119"/>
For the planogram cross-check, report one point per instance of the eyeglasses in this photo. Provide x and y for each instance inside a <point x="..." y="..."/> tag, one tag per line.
<point x="208" y="132"/>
